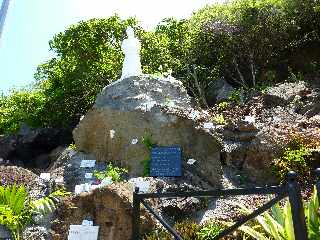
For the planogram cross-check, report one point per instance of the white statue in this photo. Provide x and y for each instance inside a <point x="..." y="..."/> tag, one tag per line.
<point x="131" y="48"/>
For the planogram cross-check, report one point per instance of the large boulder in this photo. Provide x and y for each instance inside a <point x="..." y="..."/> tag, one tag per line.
<point x="109" y="207"/>
<point x="129" y="109"/>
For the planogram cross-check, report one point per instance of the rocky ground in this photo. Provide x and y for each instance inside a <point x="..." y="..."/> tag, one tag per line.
<point x="261" y="123"/>
<point x="250" y="141"/>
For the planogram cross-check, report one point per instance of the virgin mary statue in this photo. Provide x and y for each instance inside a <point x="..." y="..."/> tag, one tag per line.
<point x="131" y="49"/>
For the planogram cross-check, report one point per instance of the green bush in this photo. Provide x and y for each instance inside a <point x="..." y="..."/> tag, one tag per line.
<point x="249" y="42"/>
<point x="245" y="39"/>
<point x="209" y="231"/>
<point x="295" y="157"/>
<point x="17" y="210"/>
<point x="26" y="106"/>
<point x="116" y="173"/>
<point x="278" y="224"/>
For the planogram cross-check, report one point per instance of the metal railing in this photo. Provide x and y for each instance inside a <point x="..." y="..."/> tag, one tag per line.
<point x="289" y="189"/>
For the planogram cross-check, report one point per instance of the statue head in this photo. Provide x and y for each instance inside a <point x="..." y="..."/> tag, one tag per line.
<point x="130" y="32"/>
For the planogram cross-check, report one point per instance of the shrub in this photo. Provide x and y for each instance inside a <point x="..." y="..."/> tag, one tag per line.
<point x="246" y="39"/>
<point x="209" y="231"/>
<point x="116" y="173"/>
<point x="26" y="106"/>
<point x="278" y="224"/>
<point x="17" y="210"/>
<point x="295" y="157"/>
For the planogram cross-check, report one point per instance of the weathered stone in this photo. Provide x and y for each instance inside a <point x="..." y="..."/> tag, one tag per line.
<point x="20" y="176"/>
<point x="32" y="149"/>
<point x="5" y="232"/>
<point x="145" y="106"/>
<point x="110" y="208"/>
<point x="287" y="91"/>
<point x="254" y="158"/>
<point x="218" y="91"/>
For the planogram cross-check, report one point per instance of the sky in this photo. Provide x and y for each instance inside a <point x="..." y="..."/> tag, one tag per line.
<point x="30" y="24"/>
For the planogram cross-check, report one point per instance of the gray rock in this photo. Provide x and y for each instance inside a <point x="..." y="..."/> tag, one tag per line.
<point x="138" y="106"/>
<point x="67" y="167"/>
<point x="36" y="233"/>
<point x="32" y="148"/>
<point x="4" y="232"/>
<point x="218" y="91"/>
<point x="287" y="91"/>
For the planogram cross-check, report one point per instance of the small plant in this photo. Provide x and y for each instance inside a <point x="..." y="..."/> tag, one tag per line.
<point x="295" y="77"/>
<point x="223" y="106"/>
<point x="149" y="144"/>
<point x="73" y="146"/>
<point x="296" y="157"/>
<point x="219" y="119"/>
<point x="209" y="231"/>
<point x="116" y="173"/>
<point x="235" y="96"/>
<point x="278" y="223"/>
<point x="17" y="210"/>
<point x="187" y="229"/>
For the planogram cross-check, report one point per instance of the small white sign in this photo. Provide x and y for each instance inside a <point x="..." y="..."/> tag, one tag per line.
<point x="79" y="232"/>
<point x="191" y="161"/>
<point x="88" y="175"/>
<point x="45" y="176"/>
<point x="59" y="180"/>
<point x="88" y="163"/>
<point x="144" y="186"/>
<point x="208" y="125"/>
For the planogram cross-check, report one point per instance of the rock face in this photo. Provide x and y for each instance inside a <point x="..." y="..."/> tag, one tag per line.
<point x="130" y="109"/>
<point x="32" y="148"/>
<point x="277" y="116"/>
<point x="110" y="207"/>
<point x="218" y="91"/>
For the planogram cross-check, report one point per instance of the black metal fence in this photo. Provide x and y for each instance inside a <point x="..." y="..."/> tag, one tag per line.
<point x="289" y="189"/>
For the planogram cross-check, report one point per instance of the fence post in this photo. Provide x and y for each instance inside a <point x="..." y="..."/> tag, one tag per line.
<point x="136" y="215"/>
<point x="298" y="218"/>
<point x="317" y="171"/>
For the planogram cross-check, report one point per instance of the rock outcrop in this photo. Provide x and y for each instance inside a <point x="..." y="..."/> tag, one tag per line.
<point x="257" y="130"/>
<point x="135" y="107"/>
<point x="33" y="148"/>
<point x="109" y="207"/>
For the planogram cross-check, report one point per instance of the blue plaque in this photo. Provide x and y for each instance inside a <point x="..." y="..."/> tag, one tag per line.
<point x="166" y="162"/>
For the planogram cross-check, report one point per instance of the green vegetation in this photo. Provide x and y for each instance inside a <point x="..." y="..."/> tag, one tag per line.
<point x="297" y="157"/>
<point x="73" y="146"/>
<point x="17" y="210"/>
<point x="149" y="144"/>
<point x="219" y="119"/>
<point x="188" y="230"/>
<point x="278" y="224"/>
<point x="116" y="173"/>
<point x="209" y="231"/>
